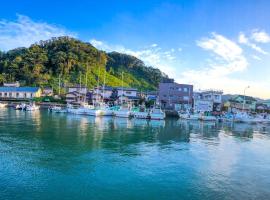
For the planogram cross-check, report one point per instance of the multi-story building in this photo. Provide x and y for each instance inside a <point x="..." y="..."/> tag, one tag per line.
<point x="175" y="96"/>
<point x="207" y="100"/>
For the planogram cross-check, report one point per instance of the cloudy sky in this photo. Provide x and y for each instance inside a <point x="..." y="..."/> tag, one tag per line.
<point x="211" y="44"/>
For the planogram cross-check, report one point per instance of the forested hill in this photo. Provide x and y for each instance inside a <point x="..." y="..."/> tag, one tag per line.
<point x="41" y="64"/>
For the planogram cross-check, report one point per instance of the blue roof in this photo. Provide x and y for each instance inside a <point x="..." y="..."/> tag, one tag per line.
<point x="19" y="89"/>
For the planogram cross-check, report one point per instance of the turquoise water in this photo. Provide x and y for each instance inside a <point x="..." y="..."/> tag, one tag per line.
<point x="59" y="156"/>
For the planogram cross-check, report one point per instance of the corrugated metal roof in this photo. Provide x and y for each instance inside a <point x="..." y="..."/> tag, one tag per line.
<point x="19" y="89"/>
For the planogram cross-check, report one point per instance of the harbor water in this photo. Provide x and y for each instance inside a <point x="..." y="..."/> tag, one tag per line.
<point x="63" y="156"/>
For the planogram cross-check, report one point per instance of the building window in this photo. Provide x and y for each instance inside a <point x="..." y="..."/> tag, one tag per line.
<point x="0" y="94"/>
<point x="17" y="94"/>
<point x="165" y="95"/>
<point x="31" y="95"/>
<point x="180" y="89"/>
<point x="10" y="94"/>
<point x="185" y="89"/>
<point x="5" y="94"/>
<point x="127" y="92"/>
<point x="24" y="95"/>
<point x="186" y="98"/>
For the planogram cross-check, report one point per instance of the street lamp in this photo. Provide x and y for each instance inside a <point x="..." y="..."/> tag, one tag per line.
<point x="244" y="102"/>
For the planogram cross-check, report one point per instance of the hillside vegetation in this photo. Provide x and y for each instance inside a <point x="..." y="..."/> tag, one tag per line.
<point x="42" y="63"/>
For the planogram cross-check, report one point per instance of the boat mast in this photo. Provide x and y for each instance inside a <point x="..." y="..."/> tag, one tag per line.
<point x="122" y="89"/>
<point x="104" y="79"/>
<point x="80" y="91"/>
<point x="59" y="83"/>
<point x="98" y="81"/>
<point x="86" y="82"/>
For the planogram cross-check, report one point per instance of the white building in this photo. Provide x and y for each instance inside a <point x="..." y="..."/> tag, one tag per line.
<point x="9" y="93"/>
<point x="208" y="100"/>
<point x="203" y="105"/>
<point x="77" y="88"/>
<point x="127" y="92"/>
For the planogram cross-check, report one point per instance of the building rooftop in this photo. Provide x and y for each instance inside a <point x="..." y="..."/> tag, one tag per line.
<point x="247" y="98"/>
<point x="127" y="89"/>
<point x="19" y="89"/>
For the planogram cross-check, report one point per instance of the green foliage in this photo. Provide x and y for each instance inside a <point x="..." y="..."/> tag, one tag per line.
<point x="41" y="64"/>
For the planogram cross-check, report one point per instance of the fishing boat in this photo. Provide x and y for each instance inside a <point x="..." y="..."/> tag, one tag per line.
<point x="101" y="109"/>
<point x="141" y="113"/>
<point x="189" y="116"/>
<point x="206" y="116"/>
<point x="21" y="106"/>
<point x="123" y="111"/>
<point x="157" y="114"/>
<point x="31" y="107"/>
<point x="57" y="109"/>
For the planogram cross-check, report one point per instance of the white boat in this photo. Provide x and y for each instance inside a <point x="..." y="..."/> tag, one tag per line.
<point x="123" y="112"/>
<point x="21" y="106"/>
<point x="208" y="118"/>
<point x="3" y="105"/>
<point x="189" y="116"/>
<point x="248" y="118"/>
<point x="57" y="109"/>
<point x="31" y="107"/>
<point x="140" y="113"/>
<point x="101" y="109"/>
<point x="157" y="113"/>
<point x="97" y="110"/>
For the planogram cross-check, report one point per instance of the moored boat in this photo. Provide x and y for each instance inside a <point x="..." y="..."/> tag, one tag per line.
<point x="31" y="107"/>
<point x="157" y="114"/>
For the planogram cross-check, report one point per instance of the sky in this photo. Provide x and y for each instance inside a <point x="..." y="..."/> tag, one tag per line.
<point x="212" y="44"/>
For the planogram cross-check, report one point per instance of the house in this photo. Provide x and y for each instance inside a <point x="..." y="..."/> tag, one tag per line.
<point x="241" y="102"/>
<point x="128" y="92"/>
<point x="175" y="96"/>
<point x="77" y="88"/>
<point x="76" y="94"/>
<point x="75" y="97"/>
<point x="207" y="100"/>
<point x="104" y="93"/>
<point x="17" y="93"/>
<point x="115" y="93"/>
<point x="47" y="91"/>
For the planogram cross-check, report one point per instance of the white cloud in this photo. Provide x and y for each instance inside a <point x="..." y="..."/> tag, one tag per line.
<point x="228" y="59"/>
<point x="24" y="31"/>
<point x="229" y="55"/>
<point x="260" y="36"/>
<point x="256" y="57"/>
<point x="242" y="39"/>
<point x="151" y="55"/>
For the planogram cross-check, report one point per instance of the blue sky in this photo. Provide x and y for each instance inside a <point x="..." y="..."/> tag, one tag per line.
<point x="211" y="44"/>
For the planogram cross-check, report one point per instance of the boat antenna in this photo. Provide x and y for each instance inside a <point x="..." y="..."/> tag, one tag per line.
<point x="104" y="79"/>
<point x="98" y="81"/>
<point x="59" y="83"/>
<point x="86" y="82"/>
<point x="122" y="89"/>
